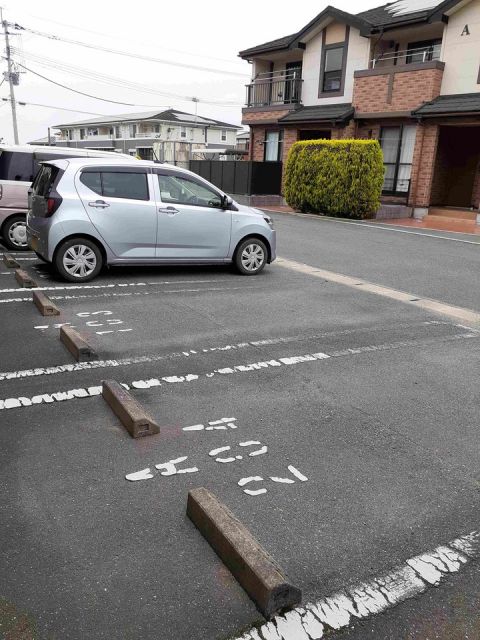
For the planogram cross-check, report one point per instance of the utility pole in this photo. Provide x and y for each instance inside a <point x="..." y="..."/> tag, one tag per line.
<point x="10" y="78"/>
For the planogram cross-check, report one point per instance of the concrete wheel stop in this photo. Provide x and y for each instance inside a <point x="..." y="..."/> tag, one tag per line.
<point x="78" y="346"/>
<point x="45" y="305"/>
<point x="138" y="422"/>
<point x="24" y="280"/>
<point x="10" y="261"/>
<point x="251" y="565"/>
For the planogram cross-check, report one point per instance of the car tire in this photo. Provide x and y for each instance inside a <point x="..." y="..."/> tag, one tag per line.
<point x="251" y="257"/>
<point x="14" y="233"/>
<point x="78" y="260"/>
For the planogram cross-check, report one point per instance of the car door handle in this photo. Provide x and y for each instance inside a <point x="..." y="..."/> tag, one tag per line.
<point x="99" y="204"/>
<point x="170" y="211"/>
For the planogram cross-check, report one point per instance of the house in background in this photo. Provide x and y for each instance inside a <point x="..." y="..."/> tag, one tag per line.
<point x="170" y="132"/>
<point x="406" y="73"/>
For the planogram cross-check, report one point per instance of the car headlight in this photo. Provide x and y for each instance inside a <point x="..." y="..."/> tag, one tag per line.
<point x="269" y="221"/>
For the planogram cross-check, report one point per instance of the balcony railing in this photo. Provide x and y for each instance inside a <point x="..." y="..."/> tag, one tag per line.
<point x="408" y="56"/>
<point x="278" y="88"/>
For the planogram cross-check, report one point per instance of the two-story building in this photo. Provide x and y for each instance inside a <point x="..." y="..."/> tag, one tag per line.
<point x="406" y="73"/>
<point x="161" y="135"/>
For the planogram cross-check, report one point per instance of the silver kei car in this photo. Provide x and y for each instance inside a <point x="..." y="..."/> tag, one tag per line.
<point x="88" y="213"/>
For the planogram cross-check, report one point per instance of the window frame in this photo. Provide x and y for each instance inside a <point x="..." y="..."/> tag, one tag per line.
<point x="183" y="132"/>
<point x="224" y="135"/>
<point x="397" y="164"/>
<point x="171" y="174"/>
<point x="281" y="137"/>
<point x="421" y="44"/>
<point x="327" y="47"/>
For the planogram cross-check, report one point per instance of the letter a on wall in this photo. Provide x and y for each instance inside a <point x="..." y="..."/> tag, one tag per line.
<point x="466" y="31"/>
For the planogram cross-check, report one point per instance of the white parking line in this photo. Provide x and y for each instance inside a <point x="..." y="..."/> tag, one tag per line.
<point x="376" y="225"/>
<point x="288" y="361"/>
<point x="71" y="287"/>
<point x="339" y="611"/>
<point x="125" y="362"/>
<point x="457" y="313"/>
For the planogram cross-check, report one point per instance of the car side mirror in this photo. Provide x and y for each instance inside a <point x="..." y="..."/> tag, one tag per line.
<point x="226" y="202"/>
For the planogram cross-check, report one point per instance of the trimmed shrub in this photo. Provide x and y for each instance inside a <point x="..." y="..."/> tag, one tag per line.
<point x="341" y="178"/>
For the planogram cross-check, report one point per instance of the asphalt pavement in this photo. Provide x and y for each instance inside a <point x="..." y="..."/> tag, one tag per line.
<point x="373" y="403"/>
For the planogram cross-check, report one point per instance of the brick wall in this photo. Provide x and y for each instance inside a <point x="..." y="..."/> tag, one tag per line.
<point x="396" y="91"/>
<point x="271" y="116"/>
<point x="423" y="168"/>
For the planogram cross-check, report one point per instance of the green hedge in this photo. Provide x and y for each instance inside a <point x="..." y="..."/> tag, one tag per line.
<point x="335" y="177"/>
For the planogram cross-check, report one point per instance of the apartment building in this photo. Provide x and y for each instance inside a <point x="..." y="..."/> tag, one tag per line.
<point x="164" y="135"/>
<point x="406" y="73"/>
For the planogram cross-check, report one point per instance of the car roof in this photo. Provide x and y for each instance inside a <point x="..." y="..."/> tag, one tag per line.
<point x="102" y="161"/>
<point x="31" y="148"/>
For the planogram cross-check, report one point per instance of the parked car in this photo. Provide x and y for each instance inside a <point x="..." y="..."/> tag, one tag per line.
<point x="18" y="166"/>
<point x="88" y="213"/>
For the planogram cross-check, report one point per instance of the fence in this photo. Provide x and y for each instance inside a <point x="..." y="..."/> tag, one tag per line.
<point x="242" y="176"/>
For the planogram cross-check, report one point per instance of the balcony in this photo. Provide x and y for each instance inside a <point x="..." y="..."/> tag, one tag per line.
<point x="280" y="88"/>
<point x="399" y="82"/>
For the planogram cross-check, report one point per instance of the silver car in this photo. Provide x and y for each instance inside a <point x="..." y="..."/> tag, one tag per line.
<point x="88" y="213"/>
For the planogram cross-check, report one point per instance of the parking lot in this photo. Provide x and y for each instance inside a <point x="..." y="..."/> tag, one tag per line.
<point x="341" y="426"/>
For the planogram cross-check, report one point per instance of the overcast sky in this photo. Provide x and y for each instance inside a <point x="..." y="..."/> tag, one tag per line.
<point x="205" y="34"/>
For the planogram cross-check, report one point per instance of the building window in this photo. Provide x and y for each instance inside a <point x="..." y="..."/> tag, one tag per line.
<point x="398" y="144"/>
<point x="424" y="51"/>
<point x="145" y="153"/>
<point x="133" y="130"/>
<point x="224" y="135"/>
<point x="156" y="128"/>
<point x="92" y="132"/>
<point x="333" y="69"/>
<point x="82" y="134"/>
<point x="117" y="132"/>
<point x="70" y="134"/>
<point x="273" y="146"/>
<point x="183" y="132"/>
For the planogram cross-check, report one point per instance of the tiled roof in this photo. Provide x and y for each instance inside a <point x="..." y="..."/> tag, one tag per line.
<point x="324" y="113"/>
<point x="169" y="115"/>
<point x="458" y="103"/>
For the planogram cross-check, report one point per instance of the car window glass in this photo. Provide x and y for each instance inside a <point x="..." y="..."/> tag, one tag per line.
<point x="92" y="181"/>
<point x="180" y="190"/>
<point x="125" y="185"/>
<point x="44" y="181"/>
<point x="16" y="166"/>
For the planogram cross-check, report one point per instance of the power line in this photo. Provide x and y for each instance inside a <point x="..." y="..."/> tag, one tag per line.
<point x="99" y="33"/>
<point x="138" y="56"/>
<point x="115" y="81"/>
<point x="21" y="103"/>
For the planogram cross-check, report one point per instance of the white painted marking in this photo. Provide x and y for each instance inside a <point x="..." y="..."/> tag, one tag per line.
<point x="378" y="226"/>
<point x="244" y="481"/>
<point x="215" y="452"/>
<point x="195" y="427"/>
<point x="249" y="443"/>
<point x="145" y="474"/>
<point x="260" y="452"/>
<point x="315" y="620"/>
<point x="254" y="492"/>
<point x="282" y="480"/>
<point x="297" y="474"/>
<point x="458" y="313"/>
<point x="255" y="366"/>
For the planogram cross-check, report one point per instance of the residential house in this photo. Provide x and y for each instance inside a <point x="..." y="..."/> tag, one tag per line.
<point x="406" y="73"/>
<point x="170" y="133"/>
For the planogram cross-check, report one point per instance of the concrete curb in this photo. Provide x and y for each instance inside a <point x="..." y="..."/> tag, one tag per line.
<point x="24" y="279"/>
<point x="138" y="422"/>
<point x="10" y="261"/>
<point x="77" y="346"/>
<point x="45" y="305"/>
<point x="251" y="565"/>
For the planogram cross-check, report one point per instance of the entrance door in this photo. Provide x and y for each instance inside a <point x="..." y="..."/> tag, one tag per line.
<point x="119" y="205"/>
<point x="191" y="222"/>
<point x="458" y="159"/>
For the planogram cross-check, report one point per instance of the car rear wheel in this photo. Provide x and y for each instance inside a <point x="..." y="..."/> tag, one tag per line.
<point x="15" y="233"/>
<point x="78" y="260"/>
<point x="251" y="256"/>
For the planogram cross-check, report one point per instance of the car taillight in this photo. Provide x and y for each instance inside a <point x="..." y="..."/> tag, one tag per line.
<point x="53" y="202"/>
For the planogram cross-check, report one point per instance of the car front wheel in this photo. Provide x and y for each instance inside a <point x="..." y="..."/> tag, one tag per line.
<point x="15" y="233"/>
<point x="78" y="260"/>
<point x="251" y="256"/>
